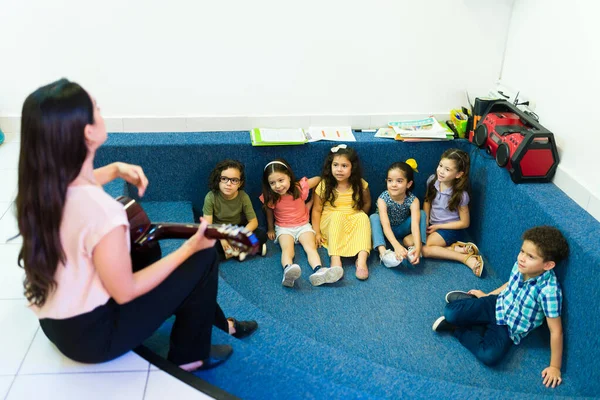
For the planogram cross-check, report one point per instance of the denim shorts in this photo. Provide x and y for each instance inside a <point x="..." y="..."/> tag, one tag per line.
<point x="293" y="231"/>
<point x="452" y="235"/>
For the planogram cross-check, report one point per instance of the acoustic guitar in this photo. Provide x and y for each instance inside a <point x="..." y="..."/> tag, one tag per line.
<point x="143" y="232"/>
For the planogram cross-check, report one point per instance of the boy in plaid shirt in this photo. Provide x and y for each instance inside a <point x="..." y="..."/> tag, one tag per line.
<point x="488" y="324"/>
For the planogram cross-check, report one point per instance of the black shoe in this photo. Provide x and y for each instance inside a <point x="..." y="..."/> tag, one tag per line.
<point x="441" y="325"/>
<point x="458" y="295"/>
<point x="219" y="353"/>
<point x="243" y="328"/>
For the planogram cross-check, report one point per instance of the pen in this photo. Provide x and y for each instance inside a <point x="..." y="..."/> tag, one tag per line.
<point x="365" y="130"/>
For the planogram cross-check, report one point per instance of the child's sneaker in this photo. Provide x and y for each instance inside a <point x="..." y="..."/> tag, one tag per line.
<point x="290" y="274"/>
<point x="326" y="275"/>
<point x="441" y="325"/>
<point x="389" y="259"/>
<point x="411" y="253"/>
<point x="456" y="295"/>
<point x="263" y="250"/>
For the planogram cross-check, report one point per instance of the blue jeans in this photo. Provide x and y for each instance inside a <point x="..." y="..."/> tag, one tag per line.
<point x="400" y="231"/>
<point x="476" y="328"/>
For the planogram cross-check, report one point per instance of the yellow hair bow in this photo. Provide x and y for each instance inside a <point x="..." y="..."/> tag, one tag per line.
<point x="413" y="164"/>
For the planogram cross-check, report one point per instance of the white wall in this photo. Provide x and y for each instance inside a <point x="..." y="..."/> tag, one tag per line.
<point x="553" y="56"/>
<point x="260" y="57"/>
<point x="310" y="61"/>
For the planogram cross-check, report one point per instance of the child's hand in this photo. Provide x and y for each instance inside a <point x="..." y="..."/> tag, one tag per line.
<point x="431" y="229"/>
<point x="416" y="252"/>
<point x="319" y="239"/>
<point x="271" y="234"/>
<point x="551" y="377"/>
<point x="477" y="293"/>
<point x="401" y="252"/>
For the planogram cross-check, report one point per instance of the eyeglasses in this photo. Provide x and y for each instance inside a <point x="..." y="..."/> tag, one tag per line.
<point x="234" y="181"/>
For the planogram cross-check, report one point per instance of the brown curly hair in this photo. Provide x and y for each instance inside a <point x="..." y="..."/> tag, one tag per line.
<point x="550" y="242"/>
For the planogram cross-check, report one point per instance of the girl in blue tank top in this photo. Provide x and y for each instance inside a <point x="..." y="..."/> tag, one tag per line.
<point x="398" y="217"/>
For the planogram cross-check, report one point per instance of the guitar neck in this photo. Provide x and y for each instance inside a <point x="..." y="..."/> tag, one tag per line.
<point x="182" y="231"/>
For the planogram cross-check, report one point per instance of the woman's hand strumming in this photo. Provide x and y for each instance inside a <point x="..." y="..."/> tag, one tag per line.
<point x="133" y="174"/>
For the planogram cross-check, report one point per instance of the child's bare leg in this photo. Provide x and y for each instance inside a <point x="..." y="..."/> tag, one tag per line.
<point x="287" y="249"/>
<point x="307" y="240"/>
<point x="335" y="260"/>
<point x="436" y="248"/>
<point x="362" y="271"/>
<point x="381" y="250"/>
<point x="408" y="240"/>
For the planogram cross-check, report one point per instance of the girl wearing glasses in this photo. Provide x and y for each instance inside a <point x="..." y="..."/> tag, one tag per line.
<point x="227" y="203"/>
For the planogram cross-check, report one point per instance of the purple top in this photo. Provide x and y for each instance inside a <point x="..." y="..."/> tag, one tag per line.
<point x="440" y="214"/>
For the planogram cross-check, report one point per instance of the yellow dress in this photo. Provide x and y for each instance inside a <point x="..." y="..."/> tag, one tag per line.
<point x="345" y="230"/>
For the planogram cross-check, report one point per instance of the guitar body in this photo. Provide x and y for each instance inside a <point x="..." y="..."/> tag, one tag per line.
<point x="143" y="232"/>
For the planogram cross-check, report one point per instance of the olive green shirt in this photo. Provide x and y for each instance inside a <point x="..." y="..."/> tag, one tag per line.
<point x="237" y="211"/>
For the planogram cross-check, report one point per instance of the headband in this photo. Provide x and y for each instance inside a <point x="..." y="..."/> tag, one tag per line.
<point x="412" y="163"/>
<point x="275" y="162"/>
<point x="339" y="146"/>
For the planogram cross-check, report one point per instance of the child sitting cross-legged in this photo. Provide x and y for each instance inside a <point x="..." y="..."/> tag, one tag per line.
<point x="488" y="324"/>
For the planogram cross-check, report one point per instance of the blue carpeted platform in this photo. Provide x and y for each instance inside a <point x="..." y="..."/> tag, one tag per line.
<point x="373" y="339"/>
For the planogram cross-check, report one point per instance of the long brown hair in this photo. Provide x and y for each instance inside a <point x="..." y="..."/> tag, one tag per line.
<point x="269" y="196"/>
<point x="460" y="185"/>
<point x="53" y="150"/>
<point x="330" y="183"/>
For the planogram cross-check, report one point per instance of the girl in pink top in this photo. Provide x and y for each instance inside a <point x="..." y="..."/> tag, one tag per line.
<point x="288" y="221"/>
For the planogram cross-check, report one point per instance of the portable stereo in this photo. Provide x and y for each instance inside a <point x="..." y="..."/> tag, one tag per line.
<point x="517" y="141"/>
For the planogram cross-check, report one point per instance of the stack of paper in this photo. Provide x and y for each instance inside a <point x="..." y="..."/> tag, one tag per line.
<point x="335" y="133"/>
<point x="277" y="137"/>
<point x="428" y="128"/>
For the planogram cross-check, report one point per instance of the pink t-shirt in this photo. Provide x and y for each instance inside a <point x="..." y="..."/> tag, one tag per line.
<point x="88" y="215"/>
<point x="290" y="212"/>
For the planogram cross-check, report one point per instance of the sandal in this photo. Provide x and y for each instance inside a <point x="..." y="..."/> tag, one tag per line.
<point x="478" y="267"/>
<point x="470" y="247"/>
<point x="362" y="273"/>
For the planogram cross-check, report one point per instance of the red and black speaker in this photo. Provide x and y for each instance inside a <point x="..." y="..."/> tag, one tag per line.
<point x="518" y="142"/>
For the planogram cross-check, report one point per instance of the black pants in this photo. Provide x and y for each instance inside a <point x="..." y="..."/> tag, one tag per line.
<point x="111" y="330"/>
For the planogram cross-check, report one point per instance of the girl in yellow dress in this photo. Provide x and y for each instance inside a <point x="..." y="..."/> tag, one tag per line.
<point x="341" y="203"/>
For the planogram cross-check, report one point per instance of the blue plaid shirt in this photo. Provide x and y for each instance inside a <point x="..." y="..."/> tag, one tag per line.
<point x="522" y="305"/>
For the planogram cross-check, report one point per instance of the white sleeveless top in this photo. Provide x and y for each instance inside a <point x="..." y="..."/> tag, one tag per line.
<point x="88" y="215"/>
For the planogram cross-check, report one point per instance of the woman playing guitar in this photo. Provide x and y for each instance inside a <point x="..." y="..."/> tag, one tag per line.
<point x="91" y="303"/>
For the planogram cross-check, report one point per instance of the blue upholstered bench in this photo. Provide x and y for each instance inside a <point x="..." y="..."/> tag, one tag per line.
<point x="178" y="165"/>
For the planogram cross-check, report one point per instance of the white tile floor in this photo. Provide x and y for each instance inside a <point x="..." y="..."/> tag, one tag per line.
<point x="30" y="366"/>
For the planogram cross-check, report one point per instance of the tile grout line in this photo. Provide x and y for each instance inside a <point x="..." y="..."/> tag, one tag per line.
<point x="21" y="364"/>
<point x="147" y="380"/>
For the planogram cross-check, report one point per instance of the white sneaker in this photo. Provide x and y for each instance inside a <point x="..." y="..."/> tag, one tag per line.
<point x="411" y="253"/>
<point x="389" y="259"/>
<point x="326" y="275"/>
<point x="290" y="274"/>
<point x="263" y="251"/>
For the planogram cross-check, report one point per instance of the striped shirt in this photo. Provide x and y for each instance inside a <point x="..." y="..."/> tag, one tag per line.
<point x="523" y="305"/>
